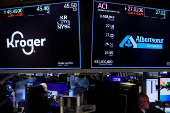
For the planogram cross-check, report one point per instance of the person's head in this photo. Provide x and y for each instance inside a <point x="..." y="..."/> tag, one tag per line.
<point x="143" y="101"/>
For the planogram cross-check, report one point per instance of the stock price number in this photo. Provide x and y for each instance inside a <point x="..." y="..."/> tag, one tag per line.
<point x="44" y="8"/>
<point x="110" y="53"/>
<point x="159" y="12"/>
<point x="71" y="5"/>
<point x="14" y="12"/>
<point x="110" y="44"/>
<point x="103" y="62"/>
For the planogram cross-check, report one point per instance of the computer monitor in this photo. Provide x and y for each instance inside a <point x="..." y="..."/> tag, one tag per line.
<point x="49" y="74"/>
<point x="54" y="88"/>
<point x="115" y="78"/>
<point x="9" y="87"/>
<point x="163" y="75"/>
<point x="39" y="74"/>
<point x="165" y="89"/>
<point x="151" y="90"/>
<point x="29" y="84"/>
<point x="132" y="77"/>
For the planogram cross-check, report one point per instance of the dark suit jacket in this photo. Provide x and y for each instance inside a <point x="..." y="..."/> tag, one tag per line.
<point x="150" y="110"/>
<point x="139" y="110"/>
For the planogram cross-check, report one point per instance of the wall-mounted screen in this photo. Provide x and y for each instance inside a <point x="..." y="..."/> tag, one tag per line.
<point x="129" y="36"/>
<point x="151" y="90"/>
<point x="39" y="74"/>
<point x="43" y="36"/>
<point x="165" y="89"/>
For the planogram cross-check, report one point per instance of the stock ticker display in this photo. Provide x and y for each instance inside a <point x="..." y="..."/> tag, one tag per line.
<point x="45" y="36"/>
<point x="129" y="36"/>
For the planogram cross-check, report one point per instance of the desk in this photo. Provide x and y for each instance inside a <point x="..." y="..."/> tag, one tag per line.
<point x="167" y="109"/>
<point x="15" y="110"/>
<point x="78" y="93"/>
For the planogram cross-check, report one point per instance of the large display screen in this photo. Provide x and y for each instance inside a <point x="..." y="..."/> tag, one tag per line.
<point x="165" y="89"/>
<point x="129" y="36"/>
<point x="151" y="90"/>
<point x="44" y="36"/>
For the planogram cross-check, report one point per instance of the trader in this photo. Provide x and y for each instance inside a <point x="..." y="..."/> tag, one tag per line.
<point x="143" y="103"/>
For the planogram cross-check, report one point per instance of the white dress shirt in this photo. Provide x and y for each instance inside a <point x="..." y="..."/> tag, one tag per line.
<point x="143" y="110"/>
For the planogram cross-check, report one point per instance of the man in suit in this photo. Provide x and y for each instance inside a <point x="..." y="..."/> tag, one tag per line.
<point x="143" y="103"/>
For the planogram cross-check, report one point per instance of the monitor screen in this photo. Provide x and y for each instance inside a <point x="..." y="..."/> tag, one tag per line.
<point x="49" y="74"/>
<point x="55" y="104"/>
<point x="39" y="74"/>
<point x="165" y="89"/>
<point x="131" y="77"/>
<point x="151" y="90"/>
<point x="54" y="88"/>
<point x="129" y="36"/>
<point x="28" y="84"/>
<point x="114" y="78"/>
<point x="9" y="87"/>
<point x="40" y="36"/>
<point x="163" y="75"/>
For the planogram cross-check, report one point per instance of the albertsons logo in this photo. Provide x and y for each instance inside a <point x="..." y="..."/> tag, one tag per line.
<point x="140" y="42"/>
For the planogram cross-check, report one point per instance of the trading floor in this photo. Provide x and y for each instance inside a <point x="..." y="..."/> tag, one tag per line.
<point x="83" y="93"/>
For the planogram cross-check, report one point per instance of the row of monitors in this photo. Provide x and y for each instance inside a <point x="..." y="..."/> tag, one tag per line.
<point x="152" y="89"/>
<point x="48" y="36"/>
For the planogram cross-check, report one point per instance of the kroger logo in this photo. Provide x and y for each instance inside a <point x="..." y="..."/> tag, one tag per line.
<point x="23" y="43"/>
<point x="140" y="42"/>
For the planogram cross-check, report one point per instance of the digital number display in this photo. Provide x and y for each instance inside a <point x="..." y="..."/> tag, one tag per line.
<point x="44" y="8"/>
<point x="129" y="36"/>
<point x="44" y="36"/>
<point x="14" y="12"/>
